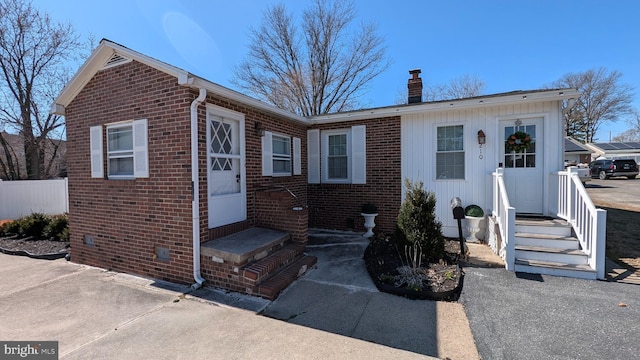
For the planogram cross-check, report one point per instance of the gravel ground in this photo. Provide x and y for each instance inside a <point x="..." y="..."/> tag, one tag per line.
<point x="33" y="246"/>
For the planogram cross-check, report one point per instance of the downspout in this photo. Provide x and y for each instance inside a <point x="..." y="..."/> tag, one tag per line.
<point x="195" y="193"/>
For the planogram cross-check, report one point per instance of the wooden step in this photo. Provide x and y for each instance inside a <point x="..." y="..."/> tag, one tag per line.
<point x="543" y="226"/>
<point x="271" y="288"/>
<point x="265" y="267"/>
<point x="580" y="271"/>
<point x="547" y="240"/>
<point x="541" y="253"/>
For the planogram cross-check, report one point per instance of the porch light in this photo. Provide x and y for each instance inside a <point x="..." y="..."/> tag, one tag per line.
<point x="482" y="139"/>
<point x="258" y="128"/>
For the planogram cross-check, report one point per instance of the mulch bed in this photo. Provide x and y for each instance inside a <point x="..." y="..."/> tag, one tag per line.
<point x="34" y="248"/>
<point x="443" y="279"/>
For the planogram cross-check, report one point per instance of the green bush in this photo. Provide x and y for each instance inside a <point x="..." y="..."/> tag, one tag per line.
<point x="38" y="226"/>
<point x="57" y="228"/>
<point x="33" y="225"/>
<point x="474" y="210"/>
<point x="417" y="221"/>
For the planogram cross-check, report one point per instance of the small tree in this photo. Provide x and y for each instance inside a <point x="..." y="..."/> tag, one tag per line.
<point x="417" y="220"/>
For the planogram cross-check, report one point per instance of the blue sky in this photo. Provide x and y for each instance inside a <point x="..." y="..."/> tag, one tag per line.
<point x="511" y="45"/>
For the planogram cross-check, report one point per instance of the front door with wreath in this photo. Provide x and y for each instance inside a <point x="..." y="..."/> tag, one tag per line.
<point x="521" y="155"/>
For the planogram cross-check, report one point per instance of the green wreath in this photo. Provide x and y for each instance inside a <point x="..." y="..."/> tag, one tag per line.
<point x="518" y="142"/>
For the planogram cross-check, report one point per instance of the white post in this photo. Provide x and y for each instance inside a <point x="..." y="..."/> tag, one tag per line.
<point x="601" y="241"/>
<point x="571" y="211"/>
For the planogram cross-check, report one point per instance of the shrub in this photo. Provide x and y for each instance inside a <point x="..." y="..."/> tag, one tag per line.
<point x="417" y="221"/>
<point x="4" y="225"/>
<point x="369" y="208"/>
<point x="33" y="225"/>
<point x="57" y="228"/>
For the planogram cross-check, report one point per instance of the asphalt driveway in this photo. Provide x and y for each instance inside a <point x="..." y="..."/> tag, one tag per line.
<point x="524" y="316"/>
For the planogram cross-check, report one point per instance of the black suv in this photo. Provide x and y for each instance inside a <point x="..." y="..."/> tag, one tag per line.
<point x="606" y="168"/>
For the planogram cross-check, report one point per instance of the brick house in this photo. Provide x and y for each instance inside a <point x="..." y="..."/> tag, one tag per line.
<point x="174" y="177"/>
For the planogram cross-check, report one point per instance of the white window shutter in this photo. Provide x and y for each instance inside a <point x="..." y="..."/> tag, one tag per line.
<point x="140" y="149"/>
<point x="297" y="161"/>
<point x="97" y="166"/>
<point x="313" y="156"/>
<point x="359" y="154"/>
<point x="267" y="154"/>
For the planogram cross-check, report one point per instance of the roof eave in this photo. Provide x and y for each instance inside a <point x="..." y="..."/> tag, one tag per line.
<point x="459" y="104"/>
<point x="95" y="63"/>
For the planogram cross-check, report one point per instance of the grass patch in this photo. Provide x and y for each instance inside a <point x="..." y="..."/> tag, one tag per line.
<point x="623" y="242"/>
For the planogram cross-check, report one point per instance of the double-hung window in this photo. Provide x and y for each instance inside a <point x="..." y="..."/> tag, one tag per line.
<point x="281" y="156"/>
<point x="127" y="154"/>
<point x="120" y="150"/>
<point x="450" y="152"/>
<point x="338" y="156"/>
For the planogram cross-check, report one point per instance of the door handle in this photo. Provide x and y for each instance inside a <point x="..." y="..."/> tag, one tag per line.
<point x="238" y="178"/>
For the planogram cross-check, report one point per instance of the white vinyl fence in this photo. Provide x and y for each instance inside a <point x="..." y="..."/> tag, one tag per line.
<point x="23" y="197"/>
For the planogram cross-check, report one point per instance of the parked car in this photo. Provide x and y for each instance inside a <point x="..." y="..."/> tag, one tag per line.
<point x="606" y="168"/>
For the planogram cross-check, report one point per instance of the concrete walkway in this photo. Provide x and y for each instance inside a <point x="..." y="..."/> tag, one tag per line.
<point x="339" y="297"/>
<point x="97" y="314"/>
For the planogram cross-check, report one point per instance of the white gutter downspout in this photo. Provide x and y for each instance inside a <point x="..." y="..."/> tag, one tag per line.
<point x="195" y="193"/>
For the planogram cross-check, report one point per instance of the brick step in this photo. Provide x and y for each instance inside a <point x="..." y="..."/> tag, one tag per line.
<point x="262" y="269"/>
<point x="271" y="288"/>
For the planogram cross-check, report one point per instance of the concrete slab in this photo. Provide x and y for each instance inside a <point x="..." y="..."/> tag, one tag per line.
<point x="20" y="272"/>
<point x="97" y="314"/>
<point x="192" y="330"/>
<point x="241" y="246"/>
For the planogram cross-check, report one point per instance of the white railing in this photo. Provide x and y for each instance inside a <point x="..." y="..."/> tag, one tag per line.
<point x="505" y="215"/>
<point x="588" y="222"/>
<point x="23" y="197"/>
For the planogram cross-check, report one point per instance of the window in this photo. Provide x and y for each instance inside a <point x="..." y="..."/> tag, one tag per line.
<point x="337" y="157"/>
<point x="277" y="159"/>
<point x="450" y="152"/>
<point x="281" y="156"/>
<point x="340" y="153"/>
<point x="120" y="150"/>
<point x="127" y="155"/>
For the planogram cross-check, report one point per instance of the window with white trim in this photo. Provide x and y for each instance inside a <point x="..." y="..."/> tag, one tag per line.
<point x="277" y="159"/>
<point x="127" y="154"/>
<point x="450" y="152"/>
<point x="340" y="153"/>
<point x="281" y="156"/>
<point x="120" y="150"/>
<point x="337" y="164"/>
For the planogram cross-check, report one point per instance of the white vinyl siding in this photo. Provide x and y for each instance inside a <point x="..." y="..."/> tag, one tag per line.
<point x="127" y="150"/>
<point x="450" y="152"/>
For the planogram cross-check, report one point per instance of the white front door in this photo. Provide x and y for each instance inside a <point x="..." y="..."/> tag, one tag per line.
<point x="523" y="167"/>
<point x="225" y="165"/>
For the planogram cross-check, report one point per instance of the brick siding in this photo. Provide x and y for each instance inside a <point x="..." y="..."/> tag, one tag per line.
<point x="337" y="206"/>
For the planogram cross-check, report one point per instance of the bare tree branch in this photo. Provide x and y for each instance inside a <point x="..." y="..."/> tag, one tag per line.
<point x="33" y="51"/>
<point x="319" y="67"/>
<point x="603" y="98"/>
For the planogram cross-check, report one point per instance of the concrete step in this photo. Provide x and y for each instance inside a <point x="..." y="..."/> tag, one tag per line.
<point x="245" y="246"/>
<point x="547" y="240"/>
<point x="540" y="253"/>
<point x="543" y="226"/>
<point x="262" y="269"/>
<point x="579" y="271"/>
<point x="271" y="288"/>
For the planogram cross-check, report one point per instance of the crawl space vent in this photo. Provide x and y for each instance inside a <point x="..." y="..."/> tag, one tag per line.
<point x="116" y="60"/>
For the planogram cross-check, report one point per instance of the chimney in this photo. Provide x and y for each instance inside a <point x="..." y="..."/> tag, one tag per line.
<point x="415" y="87"/>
